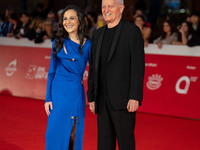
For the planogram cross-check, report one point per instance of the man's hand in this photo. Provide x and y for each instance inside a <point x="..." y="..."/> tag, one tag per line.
<point x="47" y="106"/>
<point x="132" y="105"/>
<point x="92" y="107"/>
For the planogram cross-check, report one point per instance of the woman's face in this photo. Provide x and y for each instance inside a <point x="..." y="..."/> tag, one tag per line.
<point x="70" y="21"/>
<point x="48" y="26"/>
<point x="40" y="25"/>
<point x="139" y="21"/>
<point x="24" y="18"/>
<point x="184" y="27"/>
<point x="166" y="27"/>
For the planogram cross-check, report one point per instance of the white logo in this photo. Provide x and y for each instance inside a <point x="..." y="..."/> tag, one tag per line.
<point x="11" y="68"/>
<point x="187" y="81"/>
<point x="154" y="81"/>
<point x="151" y="64"/>
<point x="191" y="67"/>
<point x="41" y="73"/>
<point x="47" y="57"/>
<point x="31" y="71"/>
<point x="187" y="85"/>
<point x="36" y="72"/>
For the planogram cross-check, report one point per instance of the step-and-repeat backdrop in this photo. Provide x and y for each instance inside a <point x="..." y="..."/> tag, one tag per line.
<point x="171" y="84"/>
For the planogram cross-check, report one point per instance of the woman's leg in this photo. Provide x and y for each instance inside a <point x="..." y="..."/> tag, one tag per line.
<point x="72" y="137"/>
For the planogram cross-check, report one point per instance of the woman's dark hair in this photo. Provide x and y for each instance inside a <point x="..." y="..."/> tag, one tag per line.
<point x="190" y="30"/>
<point x="157" y="29"/>
<point x="88" y="25"/>
<point x="173" y="29"/>
<point x="62" y="33"/>
<point x="14" y="16"/>
<point x="24" y="13"/>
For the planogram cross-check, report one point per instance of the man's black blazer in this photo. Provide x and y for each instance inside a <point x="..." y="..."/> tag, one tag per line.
<point x="125" y="65"/>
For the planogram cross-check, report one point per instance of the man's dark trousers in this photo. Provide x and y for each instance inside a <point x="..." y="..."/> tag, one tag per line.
<point x="114" y="124"/>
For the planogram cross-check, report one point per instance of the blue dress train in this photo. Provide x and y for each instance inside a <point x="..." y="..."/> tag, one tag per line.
<point x="65" y="90"/>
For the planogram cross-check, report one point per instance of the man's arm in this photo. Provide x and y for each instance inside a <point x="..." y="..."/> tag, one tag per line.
<point x="137" y="69"/>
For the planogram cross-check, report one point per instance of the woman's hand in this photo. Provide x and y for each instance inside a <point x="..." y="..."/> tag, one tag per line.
<point x="48" y="106"/>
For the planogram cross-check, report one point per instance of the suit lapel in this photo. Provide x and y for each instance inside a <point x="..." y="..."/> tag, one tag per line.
<point x="99" y="48"/>
<point x="115" y="39"/>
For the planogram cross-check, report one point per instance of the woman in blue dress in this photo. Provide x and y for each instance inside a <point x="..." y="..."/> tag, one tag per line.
<point x="65" y="96"/>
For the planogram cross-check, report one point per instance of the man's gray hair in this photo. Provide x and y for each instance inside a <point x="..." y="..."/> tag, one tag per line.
<point x="121" y="2"/>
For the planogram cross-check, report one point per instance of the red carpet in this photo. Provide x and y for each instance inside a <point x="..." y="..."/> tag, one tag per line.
<point x="23" y="124"/>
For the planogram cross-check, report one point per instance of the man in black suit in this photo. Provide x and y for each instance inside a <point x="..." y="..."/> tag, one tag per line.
<point x="116" y="72"/>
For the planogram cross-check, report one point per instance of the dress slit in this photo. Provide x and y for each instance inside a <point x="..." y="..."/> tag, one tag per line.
<point x="72" y="136"/>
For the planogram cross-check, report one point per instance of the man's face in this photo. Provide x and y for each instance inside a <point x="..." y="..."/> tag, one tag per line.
<point x="194" y="19"/>
<point x="111" y="10"/>
<point x="51" y="17"/>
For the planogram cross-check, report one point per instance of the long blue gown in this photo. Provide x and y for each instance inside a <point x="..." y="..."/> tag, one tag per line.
<point x="65" y="90"/>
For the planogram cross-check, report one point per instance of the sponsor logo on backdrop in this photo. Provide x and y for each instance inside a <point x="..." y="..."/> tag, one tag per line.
<point x="36" y="72"/>
<point x="187" y="80"/>
<point x="11" y="68"/>
<point x="151" y="64"/>
<point x="154" y="81"/>
<point x="191" y="67"/>
<point x="31" y="71"/>
<point x="47" y="57"/>
<point x="41" y="73"/>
